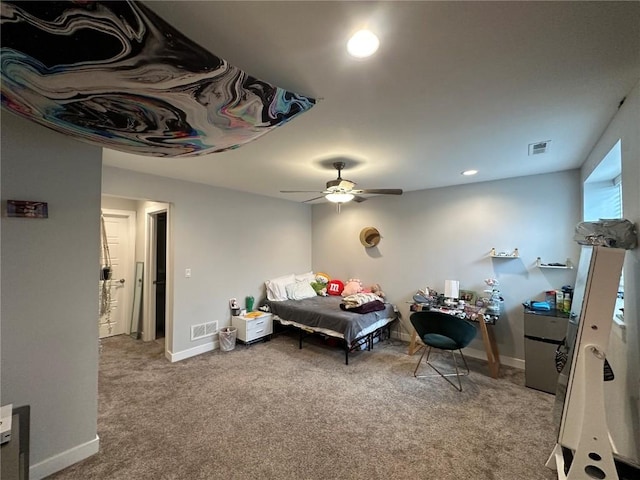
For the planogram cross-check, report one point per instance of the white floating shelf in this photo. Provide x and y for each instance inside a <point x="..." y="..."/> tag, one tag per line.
<point x="566" y="266"/>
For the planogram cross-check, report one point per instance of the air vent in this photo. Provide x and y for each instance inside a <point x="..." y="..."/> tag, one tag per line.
<point x="539" y="148"/>
<point x="204" y="330"/>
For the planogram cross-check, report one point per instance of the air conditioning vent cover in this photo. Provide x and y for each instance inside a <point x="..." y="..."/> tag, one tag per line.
<point x="538" y="148"/>
<point x="204" y="330"/>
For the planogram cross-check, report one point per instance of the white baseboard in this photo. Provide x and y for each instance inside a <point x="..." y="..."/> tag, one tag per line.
<point x="482" y="355"/>
<point x="63" y="460"/>
<point x="191" y="352"/>
<point x="474" y="353"/>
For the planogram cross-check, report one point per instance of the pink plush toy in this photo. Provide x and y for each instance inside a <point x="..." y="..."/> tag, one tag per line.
<point x="352" y="286"/>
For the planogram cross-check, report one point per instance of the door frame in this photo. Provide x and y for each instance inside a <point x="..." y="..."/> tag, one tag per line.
<point x="127" y="297"/>
<point x="149" y="291"/>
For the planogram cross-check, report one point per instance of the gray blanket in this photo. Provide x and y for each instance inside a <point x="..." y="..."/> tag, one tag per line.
<point x="325" y="312"/>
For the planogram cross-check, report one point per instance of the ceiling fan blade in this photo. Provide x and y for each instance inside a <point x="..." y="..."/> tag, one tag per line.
<point x="381" y="191"/>
<point x="300" y="191"/>
<point x="359" y="199"/>
<point x="312" y="199"/>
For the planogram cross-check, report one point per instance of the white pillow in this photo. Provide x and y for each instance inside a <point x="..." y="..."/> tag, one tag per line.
<point x="300" y="290"/>
<point x="306" y="277"/>
<point x="277" y="287"/>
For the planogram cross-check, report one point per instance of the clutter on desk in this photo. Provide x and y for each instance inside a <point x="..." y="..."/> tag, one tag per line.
<point x="430" y="299"/>
<point x="537" y="306"/>
<point x="557" y="301"/>
<point x="493" y="301"/>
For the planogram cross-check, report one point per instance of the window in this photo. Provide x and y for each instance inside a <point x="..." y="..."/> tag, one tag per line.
<point x="603" y="188"/>
<point x="603" y="199"/>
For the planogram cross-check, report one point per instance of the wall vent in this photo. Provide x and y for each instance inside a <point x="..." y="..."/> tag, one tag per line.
<point x="204" y="330"/>
<point x="539" y="147"/>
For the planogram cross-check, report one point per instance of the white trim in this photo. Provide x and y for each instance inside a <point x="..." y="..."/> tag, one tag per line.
<point x="482" y="355"/>
<point x="148" y="330"/>
<point x="64" y="459"/>
<point x="191" y="352"/>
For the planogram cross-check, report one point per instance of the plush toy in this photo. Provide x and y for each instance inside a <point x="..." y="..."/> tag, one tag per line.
<point x="375" y="289"/>
<point x="320" y="288"/>
<point x="352" y="286"/>
<point x="320" y="285"/>
<point x="335" y="287"/>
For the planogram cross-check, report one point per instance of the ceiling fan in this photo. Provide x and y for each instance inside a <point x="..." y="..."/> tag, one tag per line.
<point x="341" y="190"/>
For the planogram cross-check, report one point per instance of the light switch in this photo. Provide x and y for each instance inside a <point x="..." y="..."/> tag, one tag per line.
<point x="187" y="273"/>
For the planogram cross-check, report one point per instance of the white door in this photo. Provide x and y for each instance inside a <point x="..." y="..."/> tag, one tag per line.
<point x="116" y="294"/>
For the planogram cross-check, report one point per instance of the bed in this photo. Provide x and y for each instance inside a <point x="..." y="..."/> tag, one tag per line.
<point x="323" y="316"/>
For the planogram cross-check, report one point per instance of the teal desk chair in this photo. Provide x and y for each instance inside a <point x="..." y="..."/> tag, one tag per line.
<point x="445" y="332"/>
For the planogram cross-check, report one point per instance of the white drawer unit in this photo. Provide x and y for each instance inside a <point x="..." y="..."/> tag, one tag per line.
<point x="252" y="329"/>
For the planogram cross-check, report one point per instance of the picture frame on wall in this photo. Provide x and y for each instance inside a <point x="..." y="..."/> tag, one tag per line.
<point x="27" y="209"/>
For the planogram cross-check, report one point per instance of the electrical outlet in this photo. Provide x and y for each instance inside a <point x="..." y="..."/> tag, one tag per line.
<point x="187" y="273"/>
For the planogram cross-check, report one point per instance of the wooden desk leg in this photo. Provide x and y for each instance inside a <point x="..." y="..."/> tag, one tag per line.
<point x="414" y="345"/>
<point x="491" y="347"/>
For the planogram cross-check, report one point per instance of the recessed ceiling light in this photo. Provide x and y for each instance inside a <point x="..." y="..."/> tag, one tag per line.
<point x="468" y="173"/>
<point x="364" y="43"/>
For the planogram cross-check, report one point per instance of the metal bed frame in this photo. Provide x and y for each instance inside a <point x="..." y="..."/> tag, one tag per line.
<point x="355" y="345"/>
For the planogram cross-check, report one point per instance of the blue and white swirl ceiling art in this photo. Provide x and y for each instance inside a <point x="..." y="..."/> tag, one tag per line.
<point x="117" y="75"/>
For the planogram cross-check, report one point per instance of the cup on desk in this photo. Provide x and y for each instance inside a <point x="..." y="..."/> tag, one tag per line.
<point x="461" y="304"/>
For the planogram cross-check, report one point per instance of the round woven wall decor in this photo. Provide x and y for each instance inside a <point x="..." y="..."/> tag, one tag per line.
<point x="369" y="237"/>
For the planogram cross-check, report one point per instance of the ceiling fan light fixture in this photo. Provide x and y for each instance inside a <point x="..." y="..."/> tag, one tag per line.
<point x="339" y="197"/>
<point x="362" y="44"/>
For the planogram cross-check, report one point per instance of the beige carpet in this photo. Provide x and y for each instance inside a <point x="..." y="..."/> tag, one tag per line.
<point x="272" y="411"/>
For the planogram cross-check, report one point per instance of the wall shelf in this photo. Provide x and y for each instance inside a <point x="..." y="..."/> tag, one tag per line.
<point x="514" y="254"/>
<point x="567" y="265"/>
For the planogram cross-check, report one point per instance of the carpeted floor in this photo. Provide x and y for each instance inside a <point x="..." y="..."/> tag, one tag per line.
<point x="272" y="411"/>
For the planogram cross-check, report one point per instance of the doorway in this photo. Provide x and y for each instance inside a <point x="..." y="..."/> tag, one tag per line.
<point x="161" y="273"/>
<point x="150" y="243"/>
<point x="116" y="288"/>
<point x="157" y="297"/>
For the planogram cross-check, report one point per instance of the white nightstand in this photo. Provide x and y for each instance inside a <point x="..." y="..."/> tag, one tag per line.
<point x="253" y="329"/>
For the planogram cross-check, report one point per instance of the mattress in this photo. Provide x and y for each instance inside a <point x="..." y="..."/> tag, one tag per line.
<point x="323" y="314"/>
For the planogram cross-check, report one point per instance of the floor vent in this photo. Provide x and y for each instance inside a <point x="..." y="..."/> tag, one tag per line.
<point x="204" y="330"/>
<point x="539" y="147"/>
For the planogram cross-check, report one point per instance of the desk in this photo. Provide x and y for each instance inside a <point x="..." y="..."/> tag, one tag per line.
<point x="488" y="338"/>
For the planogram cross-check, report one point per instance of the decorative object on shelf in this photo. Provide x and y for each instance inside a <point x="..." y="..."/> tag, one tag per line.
<point x="567" y="265"/>
<point x="514" y="254"/>
<point x="369" y="237"/>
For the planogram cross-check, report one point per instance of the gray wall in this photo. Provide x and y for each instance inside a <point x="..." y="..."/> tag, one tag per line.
<point x="231" y="241"/>
<point x="49" y="297"/>
<point x="623" y="394"/>
<point x="446" y="233"/>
